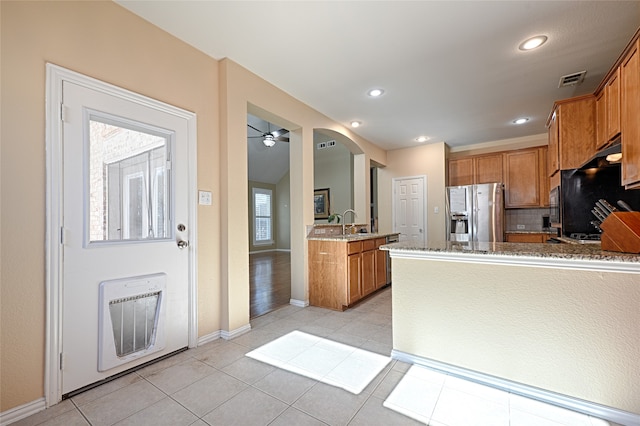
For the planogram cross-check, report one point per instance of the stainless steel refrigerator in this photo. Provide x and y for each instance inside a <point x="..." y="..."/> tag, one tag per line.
<point x="475" y="212"/>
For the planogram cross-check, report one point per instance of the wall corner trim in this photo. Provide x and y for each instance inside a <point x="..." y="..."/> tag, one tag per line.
<point x="228" y="335"/>
<point x="299" y="303"/>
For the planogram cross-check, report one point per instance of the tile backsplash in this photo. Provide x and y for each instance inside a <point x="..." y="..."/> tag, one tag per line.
<point x="531" y="219"/>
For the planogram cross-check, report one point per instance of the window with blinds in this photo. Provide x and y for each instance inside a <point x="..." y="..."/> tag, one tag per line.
<point x="262" y="217"/>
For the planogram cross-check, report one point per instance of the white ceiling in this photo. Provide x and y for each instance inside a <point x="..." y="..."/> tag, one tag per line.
<point x="450" y="70"/>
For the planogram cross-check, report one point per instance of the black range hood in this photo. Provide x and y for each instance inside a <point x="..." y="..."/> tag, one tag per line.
<point x="599" y="160"/>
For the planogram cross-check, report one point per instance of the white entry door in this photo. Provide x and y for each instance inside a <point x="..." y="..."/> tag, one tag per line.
<point x="409" y="207"/>
<point x="125" y="270"/>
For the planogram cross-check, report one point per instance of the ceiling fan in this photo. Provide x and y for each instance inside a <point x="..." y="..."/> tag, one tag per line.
<point x="269" y="138"/>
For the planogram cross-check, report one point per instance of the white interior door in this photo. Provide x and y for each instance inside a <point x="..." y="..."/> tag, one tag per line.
<point x="409" y="207"/>
<point x="125" y="231"/>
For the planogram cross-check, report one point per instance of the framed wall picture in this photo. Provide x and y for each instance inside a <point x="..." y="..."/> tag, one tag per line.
<point x="321" y="203"/>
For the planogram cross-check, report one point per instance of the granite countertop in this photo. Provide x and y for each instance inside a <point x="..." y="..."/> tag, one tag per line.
<point x="543" y="252"/>
<point x="350" y="237"/>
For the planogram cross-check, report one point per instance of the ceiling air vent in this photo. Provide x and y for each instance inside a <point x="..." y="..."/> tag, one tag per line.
<point x="572" y="79"/>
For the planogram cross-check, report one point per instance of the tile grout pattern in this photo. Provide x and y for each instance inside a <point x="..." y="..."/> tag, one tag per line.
<point x="216" y="384"/>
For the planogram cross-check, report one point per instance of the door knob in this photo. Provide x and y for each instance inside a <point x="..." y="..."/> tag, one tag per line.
<point x="182" y="244"/>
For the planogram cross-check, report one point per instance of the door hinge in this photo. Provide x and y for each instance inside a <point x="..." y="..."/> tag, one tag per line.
<point x="61" y="361"/>
<point x="169" y="164"/>
<point x="63" y="114"/>
<point x="64" y="235"/>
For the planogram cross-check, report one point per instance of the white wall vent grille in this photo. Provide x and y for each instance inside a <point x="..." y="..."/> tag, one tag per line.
<point x="572" y="79"/>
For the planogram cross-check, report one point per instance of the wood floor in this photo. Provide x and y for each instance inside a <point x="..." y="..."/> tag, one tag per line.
<point x="270" y="281"/>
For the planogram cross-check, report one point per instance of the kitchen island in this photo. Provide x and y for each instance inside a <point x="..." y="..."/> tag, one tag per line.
<point x="344" y="269"/>
<point x="556" y="322"/>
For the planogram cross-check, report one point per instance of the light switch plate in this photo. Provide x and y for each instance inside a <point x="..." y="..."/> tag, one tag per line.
<point x="204" y="198"/>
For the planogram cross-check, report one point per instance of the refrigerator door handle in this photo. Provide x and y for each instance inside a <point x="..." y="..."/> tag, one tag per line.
<point x="474" y="222"/>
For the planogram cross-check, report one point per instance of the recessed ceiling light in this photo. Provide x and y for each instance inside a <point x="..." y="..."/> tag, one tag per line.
<point x="374" y="93"/>
<point x="533" y="42"/>
<point x="520" y="120"/>
<point x="355" y="124"/>
<point x="422" y="138"/>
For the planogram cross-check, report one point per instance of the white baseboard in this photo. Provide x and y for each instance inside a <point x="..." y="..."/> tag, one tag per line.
<point x="269" y="250"/>
<point x="22" y="411"/>
<point x="228" y="335"/>
<point x="553" y="398"/>
<point x="299" y="303"/>
<point x="209" y="338"/>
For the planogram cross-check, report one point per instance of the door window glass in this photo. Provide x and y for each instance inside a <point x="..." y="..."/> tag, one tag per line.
<point x="129" y="182"/>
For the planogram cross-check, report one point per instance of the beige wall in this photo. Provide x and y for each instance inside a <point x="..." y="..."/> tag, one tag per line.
<point x="567" y="331"/>
<point x="104" y="41"/>
<point x="426" y="160"/>
<point x="242" y="91"/>
<point x="283" y="200"/>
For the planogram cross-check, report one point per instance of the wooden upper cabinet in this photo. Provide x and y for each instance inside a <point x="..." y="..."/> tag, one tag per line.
<point x="523" y="172"/>
<point x="574" y="140"/>
<point x="608" y="111"/>
<point x="553" y="153"/>
<point x="522" y="178"/>
<point x="543" y="153"/>
<point x="612" y="90"/>
<point x="476" y="169"/>
<point x="601" y="120"/>
<point x="488" y="168"/>
<point x="629" y="116"/>
<point x="461" y="171"/>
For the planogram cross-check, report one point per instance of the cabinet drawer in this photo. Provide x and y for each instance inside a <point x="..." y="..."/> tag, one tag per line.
<point x="368" y="245"/>
<point x="354" y="247"/>
<point x="380" y="242"/>
<point x="527" y="238"/>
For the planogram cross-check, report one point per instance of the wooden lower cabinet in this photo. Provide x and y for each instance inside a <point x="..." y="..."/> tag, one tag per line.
<point x="527" y="238"/>
<point x="381" y="264"/>
<point x="341" y="272"/>
<point x="368" y="271"/>
<point x="354" y="268"/>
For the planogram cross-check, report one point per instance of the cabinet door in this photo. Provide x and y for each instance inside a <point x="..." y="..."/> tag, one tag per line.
<point x="601" y="119"/>
<point x="488" y="169"/>
<point x="543" y="176"/>
<point x="461" y="171"/>
<point x="553" y="161"/>
<point x="368" y="271"/>
<point x="381" y="265"/>
<point x="354" y="274"/>
<point x="613" y="106"/>
<point x="576" y="131"/>
<point x="522" y="185"/>
<point x="526" y="238"/>
<point x="630" y="111"/>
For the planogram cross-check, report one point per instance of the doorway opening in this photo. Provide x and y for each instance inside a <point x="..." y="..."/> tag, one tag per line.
<point x="269" y="216"/>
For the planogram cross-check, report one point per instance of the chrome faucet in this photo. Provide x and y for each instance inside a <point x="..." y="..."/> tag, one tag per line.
<point x="344" y="219"/>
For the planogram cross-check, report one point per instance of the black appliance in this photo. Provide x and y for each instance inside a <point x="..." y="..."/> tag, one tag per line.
<point x="577" y="195"/>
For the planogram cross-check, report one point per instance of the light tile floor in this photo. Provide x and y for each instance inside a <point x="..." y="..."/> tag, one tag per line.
<point x="216" y="384"/>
